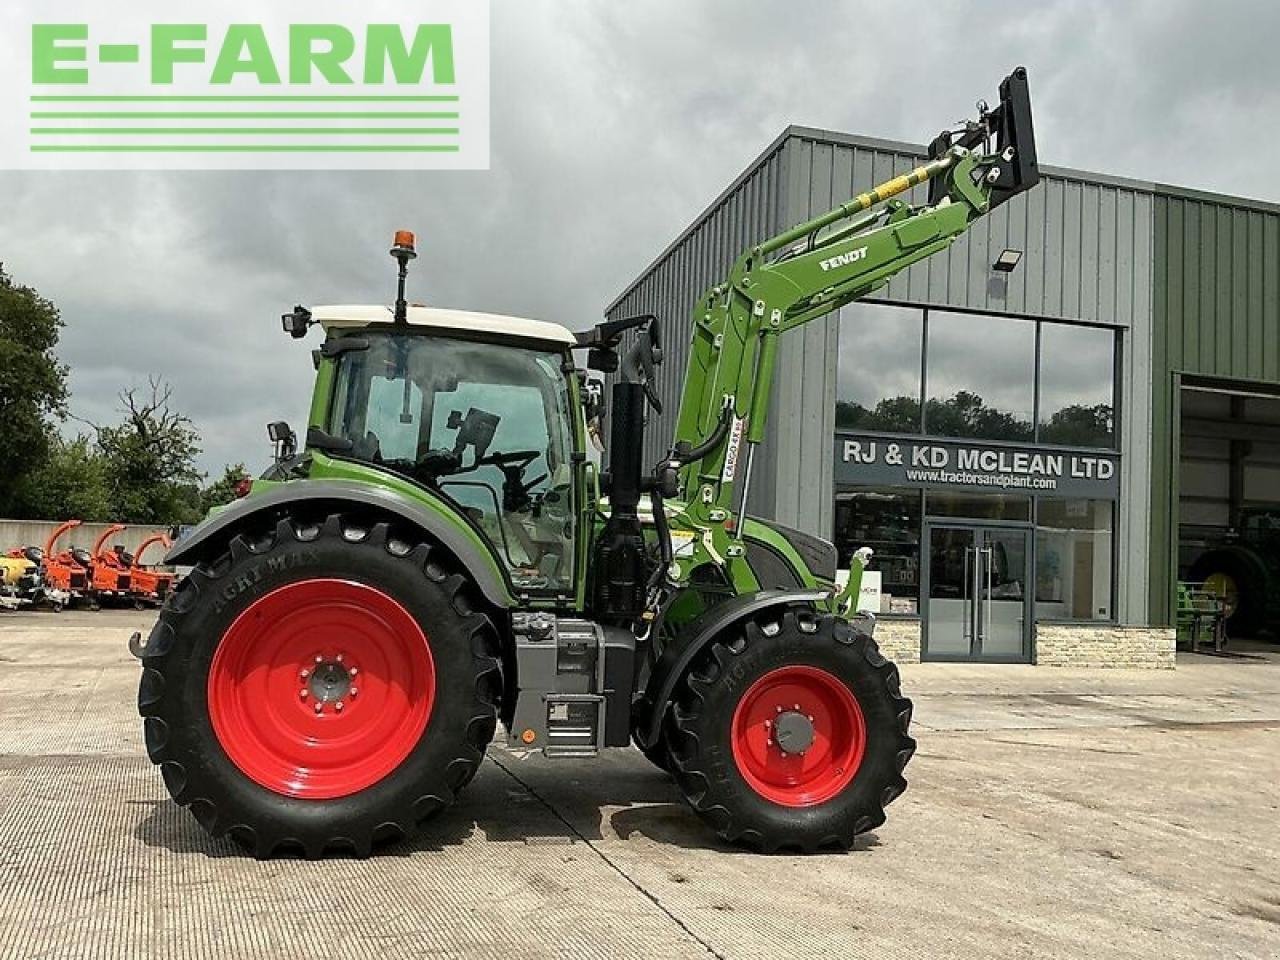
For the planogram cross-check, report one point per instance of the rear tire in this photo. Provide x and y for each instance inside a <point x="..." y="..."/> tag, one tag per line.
<point x="245" y="724"/>
<point x="657" y="754"/>
<point x="727" y="736"/>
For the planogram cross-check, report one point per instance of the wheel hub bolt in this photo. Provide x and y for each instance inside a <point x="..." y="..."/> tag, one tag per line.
<point x="319" y="659"/>
<point x="338" y="658"/>
<point x="319" y="708"/>
<point x="354" y="691"/>
<point x="338" y="706"/>
<point x="303" y="674"/>
<point x="352" y="672"/>
<point x="303" y="693"/>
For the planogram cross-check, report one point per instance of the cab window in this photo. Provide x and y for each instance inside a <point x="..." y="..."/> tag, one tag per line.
<point x="486" y="425"/>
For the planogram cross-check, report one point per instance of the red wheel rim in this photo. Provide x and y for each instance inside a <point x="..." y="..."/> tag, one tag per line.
<point x="321" y="688"/>
<point x="820" y="703"/>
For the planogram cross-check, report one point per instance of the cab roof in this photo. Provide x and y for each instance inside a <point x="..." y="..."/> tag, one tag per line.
<point x="348" y="317"/>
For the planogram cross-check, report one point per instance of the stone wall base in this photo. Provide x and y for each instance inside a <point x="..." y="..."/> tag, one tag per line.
<point x="899" y="640"/>
<point x="1057" y="644"/>
<point x="1104" y="645"/>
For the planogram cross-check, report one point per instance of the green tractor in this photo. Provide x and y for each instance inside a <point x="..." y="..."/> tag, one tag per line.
<point x="442" y="555"/>
<point x="1244" y="571"/>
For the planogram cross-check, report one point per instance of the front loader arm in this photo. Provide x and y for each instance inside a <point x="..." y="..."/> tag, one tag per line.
<point x="806" y="273"/>
<point x="818" y="267"/>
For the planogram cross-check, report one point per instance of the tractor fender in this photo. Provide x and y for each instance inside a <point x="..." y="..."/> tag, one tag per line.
<point x="209" y="537"/>
<point x="696" y="637"/>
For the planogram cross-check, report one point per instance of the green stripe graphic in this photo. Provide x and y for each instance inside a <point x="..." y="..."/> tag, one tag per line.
<point x="224" y="115"/>
<point x="244" y="148"/>
<point x="186" y="107"/>
<point x="237" y="131"/>
<point x="272" y="98"/>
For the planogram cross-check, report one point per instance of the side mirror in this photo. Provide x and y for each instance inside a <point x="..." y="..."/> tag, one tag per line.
<point x="601" y="341"/>
<point x="285" y="440"/>
<point x="592" y="396"/>
<point x="641" y="361"/>
<point x="591" y="389"/>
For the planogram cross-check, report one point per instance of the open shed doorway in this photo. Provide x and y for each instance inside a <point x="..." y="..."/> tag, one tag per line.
<point x="1229" y="500"/>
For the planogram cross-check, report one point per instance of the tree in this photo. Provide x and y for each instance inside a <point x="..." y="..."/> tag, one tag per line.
<point x="1080" y="425"/>
<point x="71" y="483"/>
<point x="33" y="385"/>
<point x="150" y="460"/>
<point x="223" y="490"/>
<point x="892" y="414"/>
<point x="967" y="415"/>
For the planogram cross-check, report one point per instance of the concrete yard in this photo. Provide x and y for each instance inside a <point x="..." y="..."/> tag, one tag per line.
<point x="1051" y="813"/>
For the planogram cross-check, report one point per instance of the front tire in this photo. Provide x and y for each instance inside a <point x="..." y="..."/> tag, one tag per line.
<point x="791" y="733"/>
<point x="326" y="686"/>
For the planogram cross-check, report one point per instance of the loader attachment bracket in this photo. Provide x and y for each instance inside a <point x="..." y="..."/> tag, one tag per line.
<point x="1010" y="124"/>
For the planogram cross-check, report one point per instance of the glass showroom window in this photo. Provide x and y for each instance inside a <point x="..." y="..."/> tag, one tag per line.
<point x="981" y="376"/>
<point x="887" y="521"/>
<point x="978" y="506"/>
<point x="1073" y="560"/>
<point x="1077" y="385"/>
<point x="878" y="373"/>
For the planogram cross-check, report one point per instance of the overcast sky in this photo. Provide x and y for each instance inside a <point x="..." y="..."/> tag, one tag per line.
<point x="613" y="125"/>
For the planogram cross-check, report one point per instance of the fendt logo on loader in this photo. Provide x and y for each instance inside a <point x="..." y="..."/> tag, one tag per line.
<point x="234" y="84"/>
<point x="843" y="259"/>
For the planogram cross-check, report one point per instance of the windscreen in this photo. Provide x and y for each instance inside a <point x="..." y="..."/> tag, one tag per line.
<point x="487" y="425"/>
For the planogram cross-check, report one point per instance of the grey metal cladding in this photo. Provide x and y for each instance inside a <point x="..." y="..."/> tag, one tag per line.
<point x="1079" y="234"/>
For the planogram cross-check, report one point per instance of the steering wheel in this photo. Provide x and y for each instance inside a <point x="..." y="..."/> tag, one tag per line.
<point x="515" y="490"/>
<point x="519" y="459"/>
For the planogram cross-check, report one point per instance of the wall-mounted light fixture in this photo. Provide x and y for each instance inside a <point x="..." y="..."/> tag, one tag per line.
<point x="1007" y="261"/>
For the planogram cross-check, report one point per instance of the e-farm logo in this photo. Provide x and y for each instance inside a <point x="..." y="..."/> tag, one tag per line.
<point x="180" y="86"/>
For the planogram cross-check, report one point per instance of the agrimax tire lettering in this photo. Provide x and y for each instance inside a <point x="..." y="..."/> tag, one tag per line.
<point x="250" y="578"/>
<point x="748" y="667"/>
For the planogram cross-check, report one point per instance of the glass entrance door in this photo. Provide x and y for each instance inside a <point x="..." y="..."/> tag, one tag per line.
<point x="976" y="589"/>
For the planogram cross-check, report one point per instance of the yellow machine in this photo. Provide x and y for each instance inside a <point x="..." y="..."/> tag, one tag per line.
<point x="13" y="569"/>
<point x="18" y="578"/>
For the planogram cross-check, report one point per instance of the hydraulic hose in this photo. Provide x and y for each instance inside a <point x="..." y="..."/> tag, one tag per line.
<point x="716" y="438"/>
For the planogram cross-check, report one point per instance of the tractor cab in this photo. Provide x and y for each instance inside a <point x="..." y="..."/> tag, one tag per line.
<point x="478" y="408"/>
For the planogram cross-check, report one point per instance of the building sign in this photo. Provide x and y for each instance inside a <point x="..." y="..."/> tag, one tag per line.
<point x="871" y="460"/>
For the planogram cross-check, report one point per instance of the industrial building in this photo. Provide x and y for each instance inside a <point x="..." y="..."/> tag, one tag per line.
<point x="1039" y="431"/>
